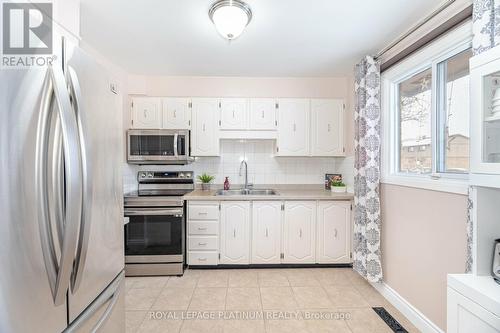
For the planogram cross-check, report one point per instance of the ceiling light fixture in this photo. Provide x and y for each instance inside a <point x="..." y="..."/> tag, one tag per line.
<point x="230" y="17"/>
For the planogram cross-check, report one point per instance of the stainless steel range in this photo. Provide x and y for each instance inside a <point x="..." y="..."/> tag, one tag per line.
<point x="155" y="231"/>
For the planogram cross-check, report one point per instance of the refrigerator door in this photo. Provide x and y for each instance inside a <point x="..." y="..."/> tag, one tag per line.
<point x="106" y="313"/>
<point x="99" y="257"/>
<point x="29" y="274"/>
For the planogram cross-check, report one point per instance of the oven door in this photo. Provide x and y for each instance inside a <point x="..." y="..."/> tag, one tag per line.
<point x="154" y="235"/>
<point x="158" y="147"/>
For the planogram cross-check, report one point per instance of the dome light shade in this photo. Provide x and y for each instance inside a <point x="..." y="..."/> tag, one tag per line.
<point x="230" y="17"/>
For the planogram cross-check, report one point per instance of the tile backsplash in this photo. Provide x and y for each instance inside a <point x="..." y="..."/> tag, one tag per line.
<point x="263" y="166"/>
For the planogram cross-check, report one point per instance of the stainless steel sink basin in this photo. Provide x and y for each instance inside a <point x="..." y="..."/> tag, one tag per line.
<point x="247" y="192"/>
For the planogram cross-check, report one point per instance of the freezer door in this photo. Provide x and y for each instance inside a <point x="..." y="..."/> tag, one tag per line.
<point x="106" y="314"/>
<point x="100" y="253"/>
<point x="26" y="297"/>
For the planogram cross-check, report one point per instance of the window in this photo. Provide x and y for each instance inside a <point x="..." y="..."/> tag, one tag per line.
<point x="415" y="118"/>
<point x="425" y="102"/>
<point x="415" y="103"/>
<point x="453" y="109"/>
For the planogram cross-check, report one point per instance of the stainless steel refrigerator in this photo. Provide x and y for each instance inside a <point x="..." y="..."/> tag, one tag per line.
<point x="61" y="215"/>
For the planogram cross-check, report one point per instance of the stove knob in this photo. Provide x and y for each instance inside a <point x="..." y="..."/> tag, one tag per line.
<point x="188" y="175"/>
<point x="181" y="175"/>
<point x="150" y="175"/>
<point x="142" y="175"/>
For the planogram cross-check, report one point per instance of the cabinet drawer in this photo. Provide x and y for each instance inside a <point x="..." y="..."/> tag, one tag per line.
<point x="203" y="212"/>
<point x="203" y="227"/>
<point x="202" y="258"/>
<point x="203" y="243"/>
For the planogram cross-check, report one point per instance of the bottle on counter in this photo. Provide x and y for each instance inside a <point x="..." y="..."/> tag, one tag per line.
<point x="226" y="184"/>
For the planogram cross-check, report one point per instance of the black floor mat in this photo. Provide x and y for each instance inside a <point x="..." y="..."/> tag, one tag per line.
<point x="389" y="320"/>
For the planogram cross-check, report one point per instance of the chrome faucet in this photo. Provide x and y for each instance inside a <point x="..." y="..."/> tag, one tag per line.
<point x="246" y="173"/>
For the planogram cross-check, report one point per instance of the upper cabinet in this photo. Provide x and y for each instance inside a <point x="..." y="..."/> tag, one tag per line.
<point x="146" y="113"/>
<point x="176" y="113"/>
<point x="485" y="120"/>
<point x="205" y="127"/>
<point x="262" y="114"/>
<point x="233" y="113"/>
<point x="327" y="127"/>
<point x="293" y="127"/>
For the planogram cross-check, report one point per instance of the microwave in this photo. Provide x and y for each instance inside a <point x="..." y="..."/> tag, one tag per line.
<point x="158" y="147"/>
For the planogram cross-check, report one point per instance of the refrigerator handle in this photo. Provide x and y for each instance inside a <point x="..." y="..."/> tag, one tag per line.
<point x="111" y="296"/>
<point x="55" y="94"/>
<point x="85" y="220"/>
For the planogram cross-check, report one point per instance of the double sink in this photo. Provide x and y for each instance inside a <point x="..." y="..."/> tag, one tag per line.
<point x="246" y="191"/>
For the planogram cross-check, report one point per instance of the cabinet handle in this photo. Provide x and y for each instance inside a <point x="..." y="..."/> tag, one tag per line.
<point x="234" y="233"/>
<point x="202" y="213"/>
<point x="145" y="112"/>
<point x="201" y="229"/>
<point x="267" y="233"/>
<point x="329" y="127"/>
<point x="175" y="114"/>
<point x="202" y="244"/>
<point x="335" y="233"/>
<point x="233" y="114"/>
<point x="202" y="259"/>
<point x="294" y="127"/>
<point x="300" y="233"/>
<point x="203" y="127"/>
<point x="262" y="113"/>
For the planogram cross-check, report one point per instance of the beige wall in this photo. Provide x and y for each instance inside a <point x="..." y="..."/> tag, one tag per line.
<point x="423" y="240"/>
<point x="334" y="87"/>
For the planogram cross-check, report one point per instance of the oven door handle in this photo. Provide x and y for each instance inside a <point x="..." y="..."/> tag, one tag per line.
<point x="150" y="211"/>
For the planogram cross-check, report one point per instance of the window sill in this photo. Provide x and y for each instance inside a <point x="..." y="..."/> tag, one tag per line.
<point x="456" y="186"/>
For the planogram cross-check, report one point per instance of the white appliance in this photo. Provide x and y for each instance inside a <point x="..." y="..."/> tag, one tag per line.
<point x="495" y="269"/>
<point x="61" y="228"/>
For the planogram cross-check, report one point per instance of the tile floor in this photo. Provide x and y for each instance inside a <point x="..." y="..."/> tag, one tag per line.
<point x="288" y="300"/>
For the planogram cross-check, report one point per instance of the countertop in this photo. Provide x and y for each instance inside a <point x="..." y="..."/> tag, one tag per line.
<point x="297" y="192"/>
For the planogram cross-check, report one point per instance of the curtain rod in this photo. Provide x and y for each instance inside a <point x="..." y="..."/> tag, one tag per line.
<point x="443" y="6"/>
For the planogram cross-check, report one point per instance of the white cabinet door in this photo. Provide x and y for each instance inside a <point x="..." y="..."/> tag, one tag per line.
<point x="205" y="127"/>
<point x="327" y="127"/>
<point x="299" y="232"/>
<point x="266" y="232"/>
<point x="176" y="113"/>
<point x="233" y="113"/>
<point x="235" y="232"/>
<point x="262" y="114"/>
<point x="146" y="113"/>
<point x="333" y="232"/>
<point x="293" y="127"/>
<point x="465" y="315"/>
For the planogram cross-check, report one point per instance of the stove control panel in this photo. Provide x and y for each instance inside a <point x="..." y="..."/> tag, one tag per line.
<point x="164" y="176"/>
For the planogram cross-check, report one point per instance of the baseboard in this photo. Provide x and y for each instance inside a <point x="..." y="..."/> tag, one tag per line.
<point x="416" y="317"/>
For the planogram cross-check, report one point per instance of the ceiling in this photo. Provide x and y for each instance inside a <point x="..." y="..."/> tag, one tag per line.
<point x="286" y="38"/>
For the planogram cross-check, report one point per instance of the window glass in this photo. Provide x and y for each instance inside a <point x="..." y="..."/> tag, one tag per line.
<point x="415" y="105"/>
<point x="453" y="112"/>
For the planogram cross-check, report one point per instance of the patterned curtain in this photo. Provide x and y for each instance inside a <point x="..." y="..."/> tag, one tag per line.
<point x="367" y="224"/>
<point x="486" y="25"/>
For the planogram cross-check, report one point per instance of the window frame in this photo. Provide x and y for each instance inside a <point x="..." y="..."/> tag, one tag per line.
<point x="444" y="48"/>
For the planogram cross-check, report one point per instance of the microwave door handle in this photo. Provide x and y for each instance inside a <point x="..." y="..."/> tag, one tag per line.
<point x="176" y="139"/>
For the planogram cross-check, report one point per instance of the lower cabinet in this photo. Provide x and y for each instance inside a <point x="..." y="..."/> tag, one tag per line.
<point x="299" y="232"/>
<point x="266" y="232"/>
<point x="333" y="232"/>
<point x="235" y="232"/>
<point x="269" y="232"/>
